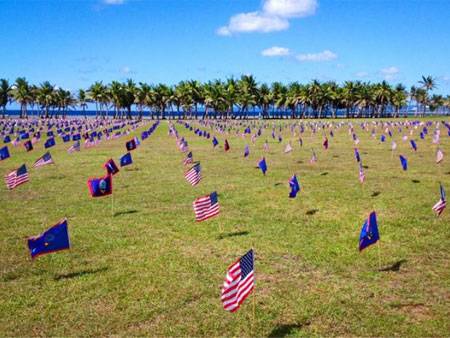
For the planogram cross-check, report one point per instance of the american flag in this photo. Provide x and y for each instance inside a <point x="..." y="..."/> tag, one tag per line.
<point x="16" y="177"/>
<point x="43" y="160"/>
<point x="362" y="177"/>
<point x="313" y="157"/>
<point x="439" y="207"/>
<point x="239" y="282"/>
<point x="193" y="175"/>
<point x="189" y="159"/>
<point x="439" y="156"/>
<point x="288" y="148"/>
<point x="15" y="142"/>
<point x="74" y="147"/>
<point x="206" y="207"/>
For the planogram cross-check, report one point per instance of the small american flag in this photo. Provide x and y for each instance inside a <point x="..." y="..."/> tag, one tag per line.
<point x="313" y="157"/>
<point x="288" y="148"/>
<point x="74" y="147"/>
<point x="439" y="207"/>
<point x="362" y="177"/>
<point x="239" y="282"/>
<point x="193" y="175"/>
<point x="189" y="159"/>
<point x="439" y="156"/>
<point x="206" y="207"/>
<point x="16" y="177"/>
<point x="43" y="160"/>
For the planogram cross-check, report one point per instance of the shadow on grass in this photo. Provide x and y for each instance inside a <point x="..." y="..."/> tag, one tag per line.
<point x="312" y="212"/>
<point x="324" y="173"/>
<point x="415" y="181"/>
<point x="126" y="212"/>
<point x="131" y="169"/>
<point x="234" y="234"/>
<point x="277" y="184"/>
<point x="79" y="273"/>
<point x="299" y="161"/>
<point x="283" y="330"/>
<point x="394" y="267"/>
<point x="448" y="172"/>
<point x="375" y="193"/>
<point x="365" y="166"/>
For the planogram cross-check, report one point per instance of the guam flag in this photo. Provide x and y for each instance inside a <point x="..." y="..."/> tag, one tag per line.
<point x="413" y="145"/>
<point x="4" y="153"/>
<point x="126" y="160"/>
<point x="111" y="167"/>
<point x="325" y="143"/>
<point x="131" y="145"/>
<point x="226" y="146"/>
<point x="357" y="157"/>
<point x="215" y="142"/>
<point x="263" y="165"/>
<point x="49" y="143"/>
<point x="246" y="151"/>
<point x="295" y="187"/>
<point x="100" y="187"/>
<point x="404" y="162"/>
<point x="28" y="145"/>
<point x="369" y="232"/>
<point x="54" y="239"/>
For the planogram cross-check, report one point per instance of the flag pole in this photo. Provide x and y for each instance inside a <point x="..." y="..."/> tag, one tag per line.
<point x="112" y="206"/>
<point x="254" y="297"/>
<point x="379" y="255"/>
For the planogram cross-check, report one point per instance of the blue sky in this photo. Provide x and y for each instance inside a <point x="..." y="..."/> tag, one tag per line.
<point x="74" y="43"/>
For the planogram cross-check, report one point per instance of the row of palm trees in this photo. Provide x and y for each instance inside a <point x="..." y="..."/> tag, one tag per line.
<point x="233" y="98"/>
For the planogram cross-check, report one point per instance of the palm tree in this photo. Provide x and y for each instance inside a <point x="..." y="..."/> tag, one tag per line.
<point x="144" y="97"/>
<point x="63" y="100"/>
<point x="398" y="98"/>
<point x="265" y="99"/>
<point x="248" y="93"/>
<point x="162" y="96"/>
<point x="383" y="94"/>
<point x="5" y="94"/>
<point x="129" y="96"/>
<point x="349" y="97"/>
<point x="428" y="83"/>
<point x="46" y="96"/>
<point x="21" y="92"/>
<point x="279" y="96"/>
<point x="98" y="93"/>
<point x="83" y="100"/>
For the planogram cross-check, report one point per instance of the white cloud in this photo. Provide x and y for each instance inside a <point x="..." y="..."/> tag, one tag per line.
<point x="276" y="51"/>
<point x="113" y="2"/>
<point x="253" y="22"/>
<point x="326" y="55"/>
<point x="273" y="17"/>
<point x="126" y="70"/>
<point x="390" y="73"/>
<point x="362" y="74"/>
<point x="290" y="8"/>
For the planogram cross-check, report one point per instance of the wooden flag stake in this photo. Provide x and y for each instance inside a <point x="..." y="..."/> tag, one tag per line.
<point x="379" y="255"/>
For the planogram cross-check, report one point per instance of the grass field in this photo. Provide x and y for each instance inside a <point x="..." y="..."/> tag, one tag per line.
<point x="142" y="266"/>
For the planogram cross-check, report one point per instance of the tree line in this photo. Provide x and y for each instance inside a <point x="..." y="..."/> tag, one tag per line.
<point x="232" y="98"/>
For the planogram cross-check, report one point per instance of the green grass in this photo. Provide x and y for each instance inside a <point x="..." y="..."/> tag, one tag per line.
<point x="151" y="270"/>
